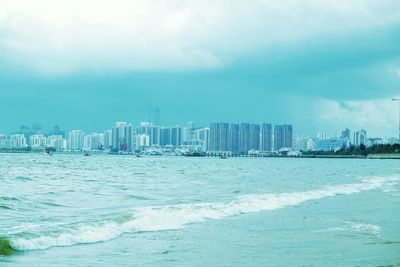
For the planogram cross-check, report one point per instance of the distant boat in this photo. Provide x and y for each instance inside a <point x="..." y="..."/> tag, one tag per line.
<point x="86" y="153"/>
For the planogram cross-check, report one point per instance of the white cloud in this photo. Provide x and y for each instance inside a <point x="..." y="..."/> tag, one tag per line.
<point x="58" y="36"/>
<point x="378" y="116"/>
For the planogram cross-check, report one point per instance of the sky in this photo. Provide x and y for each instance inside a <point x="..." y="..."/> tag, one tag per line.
<point x="321" y="65"/>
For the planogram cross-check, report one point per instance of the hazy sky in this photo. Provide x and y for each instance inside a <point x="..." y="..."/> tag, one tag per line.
<point x="320" y="64"/>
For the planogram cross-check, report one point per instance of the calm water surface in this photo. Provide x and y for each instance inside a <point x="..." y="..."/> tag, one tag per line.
<point x="70" y="210"/>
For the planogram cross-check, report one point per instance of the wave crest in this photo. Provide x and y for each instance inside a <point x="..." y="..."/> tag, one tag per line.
<point x="177" y="216"/>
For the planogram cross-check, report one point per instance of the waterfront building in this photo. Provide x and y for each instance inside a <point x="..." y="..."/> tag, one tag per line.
<point x="303" y="144"/>
<point x="219" y="135"/>
<point x="165" y="136"/>
<point x="283" y="136"/>
<point x="346" y="134"/>
<point x="37" y="141"/>
<point x="244" y="138"/>
<point x="142" y="141"/>
<point x="321" y="136"/>
<point x="18" y="141"/>
<point x="330" y="144"/>
<point x="4" y="142"/>
<point x="108" y="139"/>
<point x="360" y="137"/>
<point x="266" y="137"/>
<point x="122" y="137"/>
<point x="255" y="135"/>
<point x="200" y="139"/>
<point x="346" y="137"/>
<point x="57" y="142"/>
<point x="176" y="136"/>
<point x="234" y="137"/>
<point x="93" y="141"/>
<point x="154" y="135"/>
<point x="75" y="140"/>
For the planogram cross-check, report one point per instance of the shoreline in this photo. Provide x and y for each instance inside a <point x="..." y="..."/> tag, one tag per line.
<point x="311" y="156"/>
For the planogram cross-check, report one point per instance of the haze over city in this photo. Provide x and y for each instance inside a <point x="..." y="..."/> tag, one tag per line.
<point x="320" y="65"/>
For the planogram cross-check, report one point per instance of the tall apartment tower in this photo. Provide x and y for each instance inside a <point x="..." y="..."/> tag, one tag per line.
<point x="122" y="136"/>
<point x="266" y="137"/>
<point x="283" y="136"/>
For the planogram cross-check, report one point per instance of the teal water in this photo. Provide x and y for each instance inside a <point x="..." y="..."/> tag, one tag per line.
<point x="70" y="210"/>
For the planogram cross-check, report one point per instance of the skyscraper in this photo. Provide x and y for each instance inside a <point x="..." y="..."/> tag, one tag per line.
<point x="266" y="137"/>
<point x="176" y="136"/>
<point x="165" y="136"/>
<point x="255" y="134"/>
<point x="345" y="134"/>
<point x="360" y="137"/>
<point x="219" y="134"/>
<point x="122" y="137"/>
<point x="108" y="138"/>
<point x="283" y="136"/>
<point x="244" y="138"/>
<point x="234" y="138"/>
<point x="18" y="141"/>
<point x="75" y="140"/>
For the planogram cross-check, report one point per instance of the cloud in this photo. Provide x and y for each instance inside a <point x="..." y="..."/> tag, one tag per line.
<point x="378" y="116"/>
<point x="62" y="36"/>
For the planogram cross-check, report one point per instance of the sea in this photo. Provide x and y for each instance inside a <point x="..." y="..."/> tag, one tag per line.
<point x="104" y="210"/>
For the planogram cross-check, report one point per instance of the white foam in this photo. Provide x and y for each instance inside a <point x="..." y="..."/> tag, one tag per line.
<point x="355" y="228"/>
<point x="177" y="216"/>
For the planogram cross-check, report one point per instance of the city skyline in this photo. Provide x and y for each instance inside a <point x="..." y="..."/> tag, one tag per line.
<point x="236" y="138"/>
<point x="338" y="132"/>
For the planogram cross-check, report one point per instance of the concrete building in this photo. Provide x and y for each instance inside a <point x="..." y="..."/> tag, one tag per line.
<point x="108" y="139"/>
<point x="283" y="136"/>
<point x="18" y="141"/>
<point x="219" y="137"/>
<point x="57" y="142"/>
<point x="37" y="141"/>
<point x="123" y="138"/>
<point x="360" y="137"/>
<point x="75" y="140"/>
<point x="266" y="137"/>
<point x="330" y="144"/>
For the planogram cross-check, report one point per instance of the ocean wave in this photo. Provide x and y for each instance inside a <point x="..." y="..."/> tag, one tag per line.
<point x="178" y="216"/>
<point x="353" y="228"/>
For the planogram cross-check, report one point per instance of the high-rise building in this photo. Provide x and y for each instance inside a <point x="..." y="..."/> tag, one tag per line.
<point x="165" y="136"/>
<point x="75" y="140"/>
<point x="123" y="137"/>
<point x="18" y="141"/>
<point x="360" y="137"/>
<point x="154" y="136"/>
<point x="4" y="142"/>
<point x="200" y="139"/>
<point x="266" y="137"/>
<point x="233" y="138"/>
<point x="244" y="137"/>
<point x="219" y="135"/>
<point x="255" y="135"/>
<point x="108" y="139"/>
<point x="176" y="136"/>
<point x="283" y="136"/>
<point x="345" y="134"/>
<point x="37" y="141"/>
<point x="57" y="142"/>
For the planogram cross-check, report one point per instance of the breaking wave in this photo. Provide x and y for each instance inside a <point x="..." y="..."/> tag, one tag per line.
<point x="177" y="216"/>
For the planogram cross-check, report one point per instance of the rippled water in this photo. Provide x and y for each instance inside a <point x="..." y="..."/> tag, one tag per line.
<point x="65" y="210"/>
